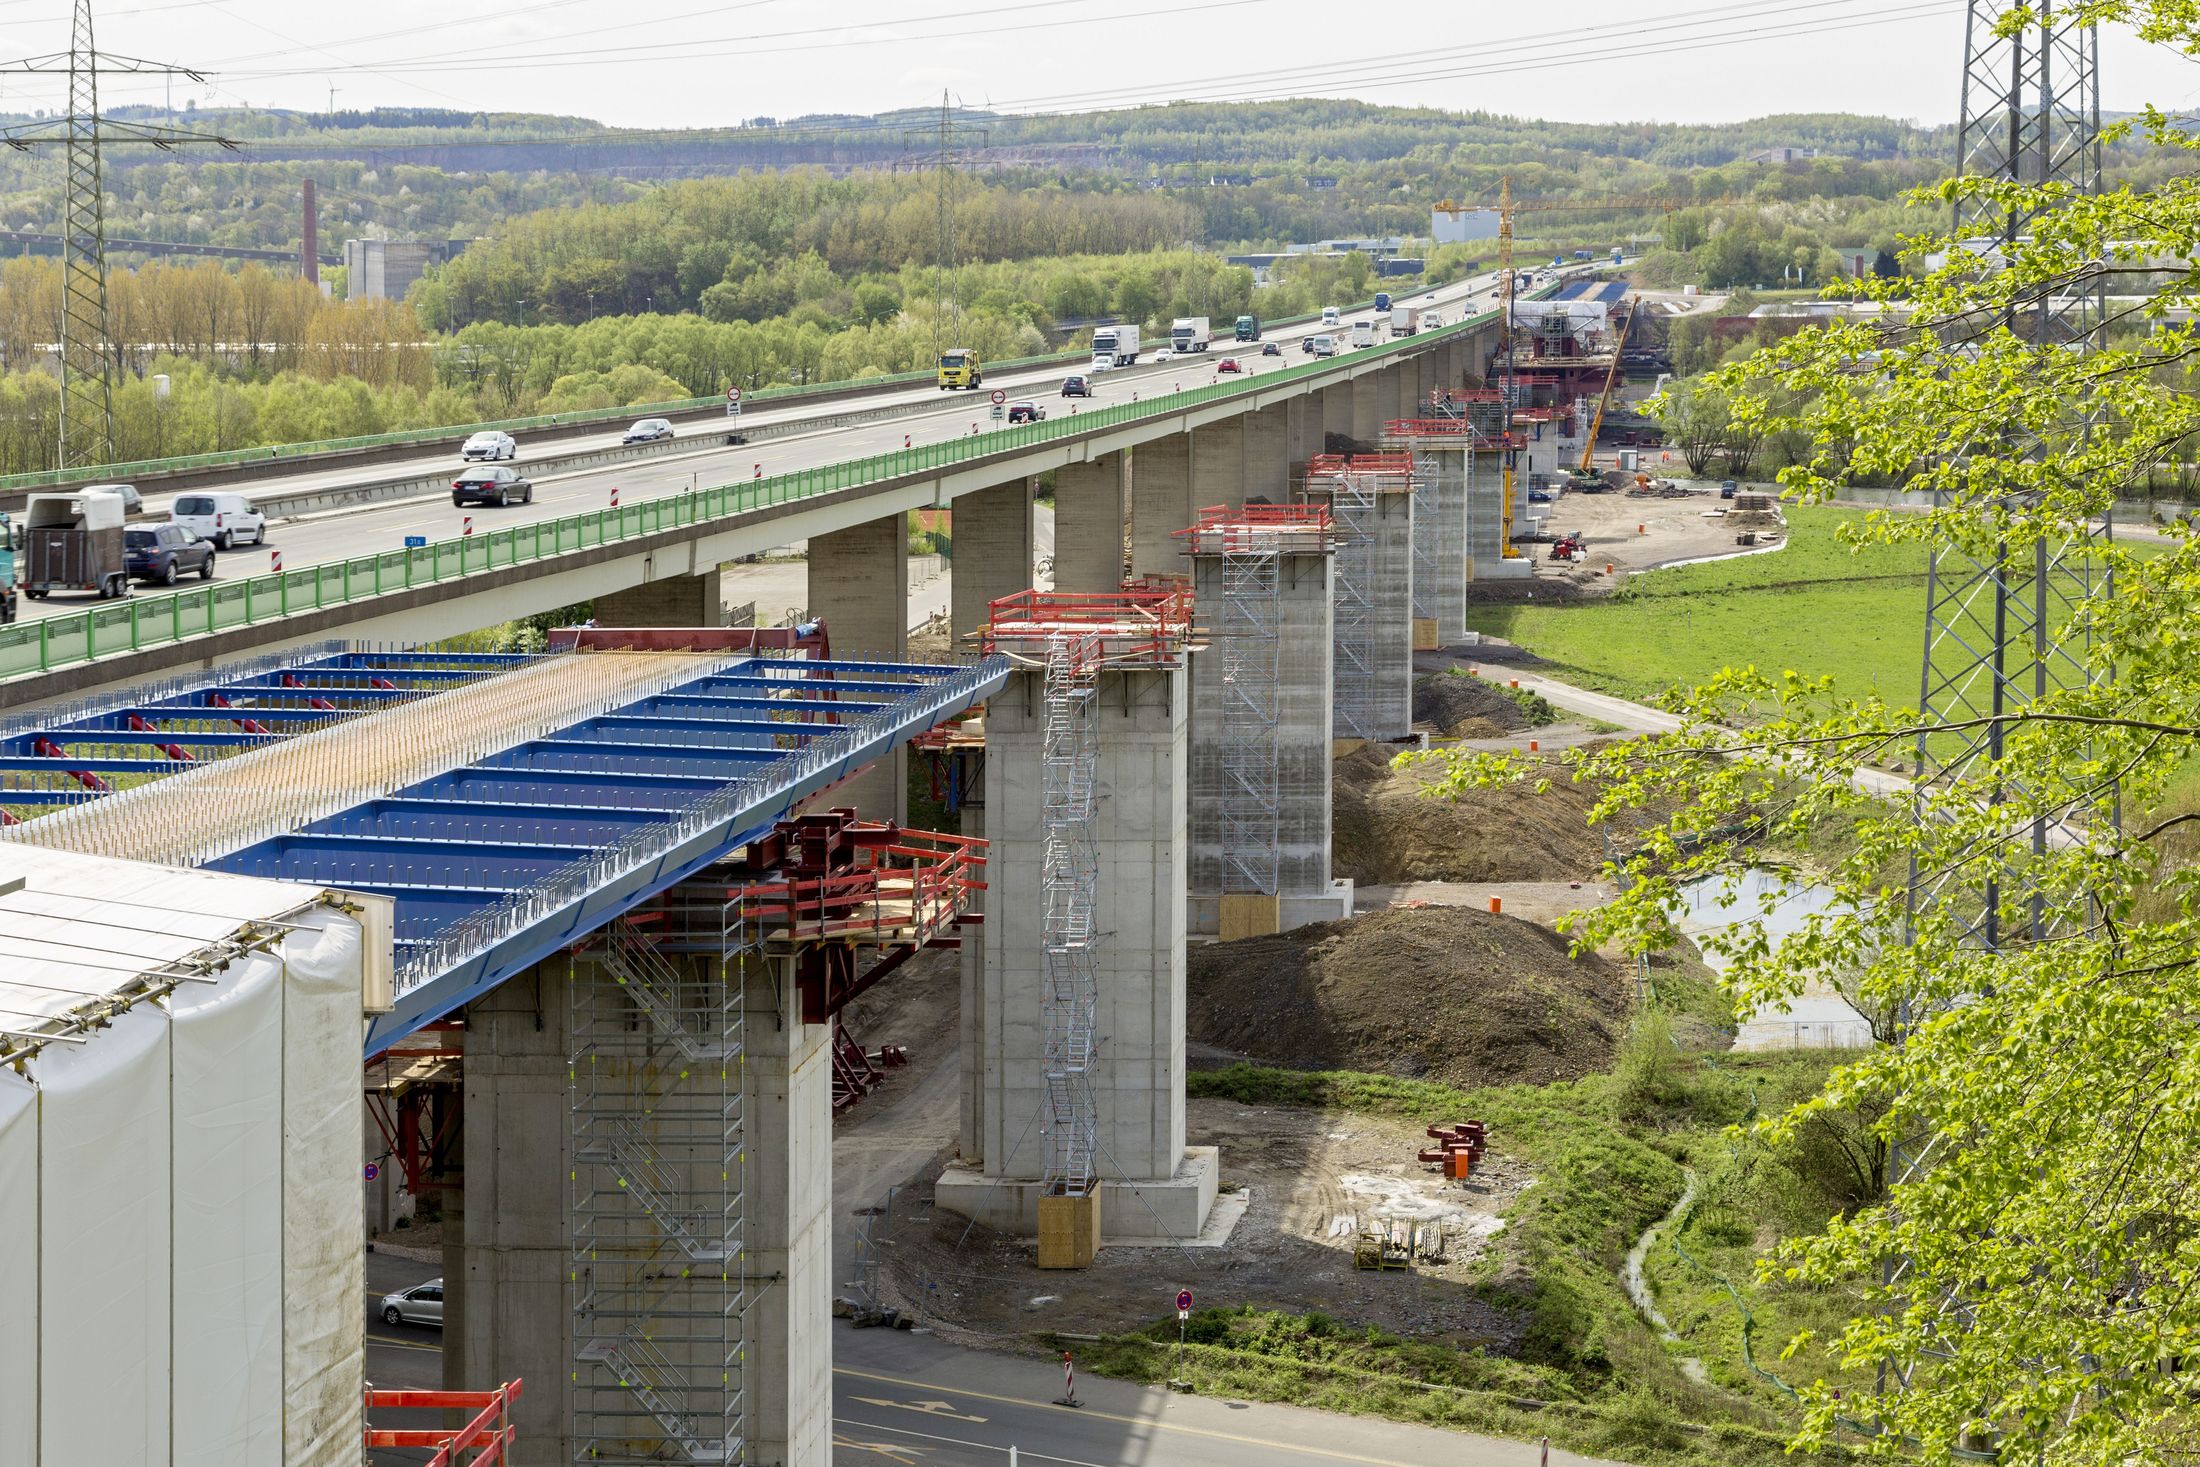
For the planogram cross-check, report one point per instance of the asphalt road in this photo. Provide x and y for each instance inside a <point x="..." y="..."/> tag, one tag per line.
<point x="340" y="533"/>
<point x="915" y="1401"/>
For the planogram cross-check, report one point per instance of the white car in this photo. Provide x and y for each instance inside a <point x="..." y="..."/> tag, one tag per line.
<point x="420" y="1304"/>
<point x="487" y="445"/>
<point x="225" y="519"/>
<point x="1165" y="354"/>
<point x="648" y="430"/>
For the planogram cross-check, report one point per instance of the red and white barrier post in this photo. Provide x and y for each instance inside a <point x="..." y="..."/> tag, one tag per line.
<point x="614" y="496"/>
<point x="468" y="529"/>
<point x="275" y="562"/>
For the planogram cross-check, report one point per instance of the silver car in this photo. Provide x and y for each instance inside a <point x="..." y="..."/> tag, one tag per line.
<point x="489" y="445"/>
<point x="420" y="1304"/>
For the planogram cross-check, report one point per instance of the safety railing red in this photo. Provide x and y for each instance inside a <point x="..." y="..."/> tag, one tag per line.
<point x="490" y="1435"/>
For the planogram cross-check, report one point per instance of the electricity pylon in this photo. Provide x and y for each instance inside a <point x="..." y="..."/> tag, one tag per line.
<point x="89" y="354"/>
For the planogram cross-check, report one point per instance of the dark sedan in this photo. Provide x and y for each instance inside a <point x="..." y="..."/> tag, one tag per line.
<point x="164" y="553"/>
<point x="497" y="484"/>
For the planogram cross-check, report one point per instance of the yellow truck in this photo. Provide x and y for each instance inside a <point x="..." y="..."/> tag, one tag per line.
<point x="959" y="368"/>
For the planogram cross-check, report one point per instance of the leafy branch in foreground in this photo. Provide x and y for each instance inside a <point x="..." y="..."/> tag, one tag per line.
<point x="2036" y="1275"/>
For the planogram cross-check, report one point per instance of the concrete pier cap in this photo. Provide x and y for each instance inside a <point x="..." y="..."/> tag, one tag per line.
<point x="1124" y="1074"/>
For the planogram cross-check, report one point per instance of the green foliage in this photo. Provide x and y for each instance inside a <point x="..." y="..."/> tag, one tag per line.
<point x="2049" y="1072"/>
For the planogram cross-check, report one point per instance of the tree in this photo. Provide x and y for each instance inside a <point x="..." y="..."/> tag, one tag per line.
<point x="2036" y="1278"/>
<point x="1697" y="420"/>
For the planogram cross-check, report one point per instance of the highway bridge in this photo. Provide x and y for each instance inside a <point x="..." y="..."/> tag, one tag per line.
<point x="44" y="242"/>
<point x="352" y="571"/>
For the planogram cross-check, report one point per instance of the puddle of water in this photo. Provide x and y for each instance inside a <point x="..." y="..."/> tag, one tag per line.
<point x="1816" y="1018"/>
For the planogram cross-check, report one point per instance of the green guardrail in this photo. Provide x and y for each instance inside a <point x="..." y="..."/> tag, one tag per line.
<point x="102" y="473"/>
<point x="117" y="629"/>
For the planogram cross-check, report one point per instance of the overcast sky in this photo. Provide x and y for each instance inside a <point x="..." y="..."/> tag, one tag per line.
<point x="687" y="64"/>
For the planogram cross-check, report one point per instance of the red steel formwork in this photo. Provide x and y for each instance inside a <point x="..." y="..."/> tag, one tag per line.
<point x="489" y="1435"/>
<point x="1220" y="530"/>
<point x="1145" y="624"/>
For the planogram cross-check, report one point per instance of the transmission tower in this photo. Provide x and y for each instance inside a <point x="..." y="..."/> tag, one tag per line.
<point x="941" y="146"/>
<point x="89" y="355"/>
<point x="1999" y="629"/>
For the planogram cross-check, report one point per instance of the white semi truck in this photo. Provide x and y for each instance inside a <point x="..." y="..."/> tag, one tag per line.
<point x="1115" y="346"/>
<point x="1405" y="320"/>
<point x="1190" y="333"/>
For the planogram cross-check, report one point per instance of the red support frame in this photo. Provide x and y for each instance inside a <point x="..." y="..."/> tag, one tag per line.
<point x="489" y="1435"/>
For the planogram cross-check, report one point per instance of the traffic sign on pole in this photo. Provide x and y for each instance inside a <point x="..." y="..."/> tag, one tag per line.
<point x="1184" y="1300"/>
<point x="999" y="396"/>
<point x="373" y="1171"/>
<point x="733" y="402"/>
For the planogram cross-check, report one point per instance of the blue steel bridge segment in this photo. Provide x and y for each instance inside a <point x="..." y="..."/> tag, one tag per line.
<point x="64" y="755"/>
<point x="500" y="863"/>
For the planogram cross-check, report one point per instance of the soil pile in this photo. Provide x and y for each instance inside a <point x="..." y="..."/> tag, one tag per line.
<point x="1465" y="707"/>
<point x="1384" y="829"/>
<point x="1437" y="993"/>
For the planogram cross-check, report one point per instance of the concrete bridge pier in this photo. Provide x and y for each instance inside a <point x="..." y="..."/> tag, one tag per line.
<point x="993" y="553"/>
<point x="1305" y="438"/>
<point x="1161" y="503"/>
<point x="859" y="582"/>
<point x="1153" y="1188"/>
<point x="1090" y="500"/>
<point x="520" y="1248"/>
<point x="1336" y="415"/>
<point x="1218" y="469"/>
<point x="1268" y="456"/>
<point x="1372" y="397"/>
<point x="676" y="601"/>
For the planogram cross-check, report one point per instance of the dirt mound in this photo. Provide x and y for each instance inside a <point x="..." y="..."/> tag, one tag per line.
<point x="1465" y="707"/>
<point x="1384" y="829"/>
<point x="1438" y="993"/>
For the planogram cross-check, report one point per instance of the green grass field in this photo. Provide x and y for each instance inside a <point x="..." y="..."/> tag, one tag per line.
<point x="1815" y="607"/>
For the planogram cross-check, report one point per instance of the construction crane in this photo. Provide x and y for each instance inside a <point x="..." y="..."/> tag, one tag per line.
<point x="1508" y="379"/>
<point x="1611" y="381"/>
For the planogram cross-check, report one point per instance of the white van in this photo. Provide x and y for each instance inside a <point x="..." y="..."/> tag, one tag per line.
<point x="225" y="519"/>
<point x="1325" y="346"/>
<point x="1329" y="315"/>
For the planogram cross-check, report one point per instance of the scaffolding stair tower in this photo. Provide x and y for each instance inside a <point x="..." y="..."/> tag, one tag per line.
<point x="1070" y="1005"/>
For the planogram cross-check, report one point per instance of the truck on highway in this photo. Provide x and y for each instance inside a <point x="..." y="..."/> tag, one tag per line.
<point x="10" y="535"/>
<point x="1329" y="315"/>
<point x="1114" y="346"/>
<point x="1617" y="256"/>
<point x="1190" y="333"/>
<point x="1382" y="301"/>
<point x="73" y="542"/>
<point x="960" y="368"/>
<point x="1363" y="334"/>
<point x="1405" y="320"/>
<point x="1248" y="328"/>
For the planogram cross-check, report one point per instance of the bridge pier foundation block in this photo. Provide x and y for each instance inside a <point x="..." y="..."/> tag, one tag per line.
<point x="1089" y="503"/>
<point x="859" y="582"/>
<point x="1161" y="504"/>
<point x="1153" y="1187"/>
<point x="1305" y="417"/>
<point x="993" y="552"/>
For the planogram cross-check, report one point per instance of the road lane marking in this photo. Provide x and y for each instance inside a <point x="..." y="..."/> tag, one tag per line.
<point x="398" y="1344"/>
<point x="1023" y="1454"/>
<point x="888" y="1450"/>
<point x="1149" y="1422"/>
<point x="930" y="1408"/>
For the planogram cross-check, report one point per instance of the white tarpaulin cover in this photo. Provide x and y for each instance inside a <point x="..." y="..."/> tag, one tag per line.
<point x="179" y="1193"/>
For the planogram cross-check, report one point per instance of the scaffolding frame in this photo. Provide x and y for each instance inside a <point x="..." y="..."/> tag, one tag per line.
<point x="1349" y="485"/>
<point x="659" y="1277"/>
<point x="1069" y="1008"/>
<point x="1251" y="543"/>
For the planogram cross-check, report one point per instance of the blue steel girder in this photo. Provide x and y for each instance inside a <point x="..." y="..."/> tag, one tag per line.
<point x="838" y="708"/>
<point x="809" y="685"/>
<point x="707" y="815"/>
<point x="75" y="738"/>
<point x="544" y="824"/>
